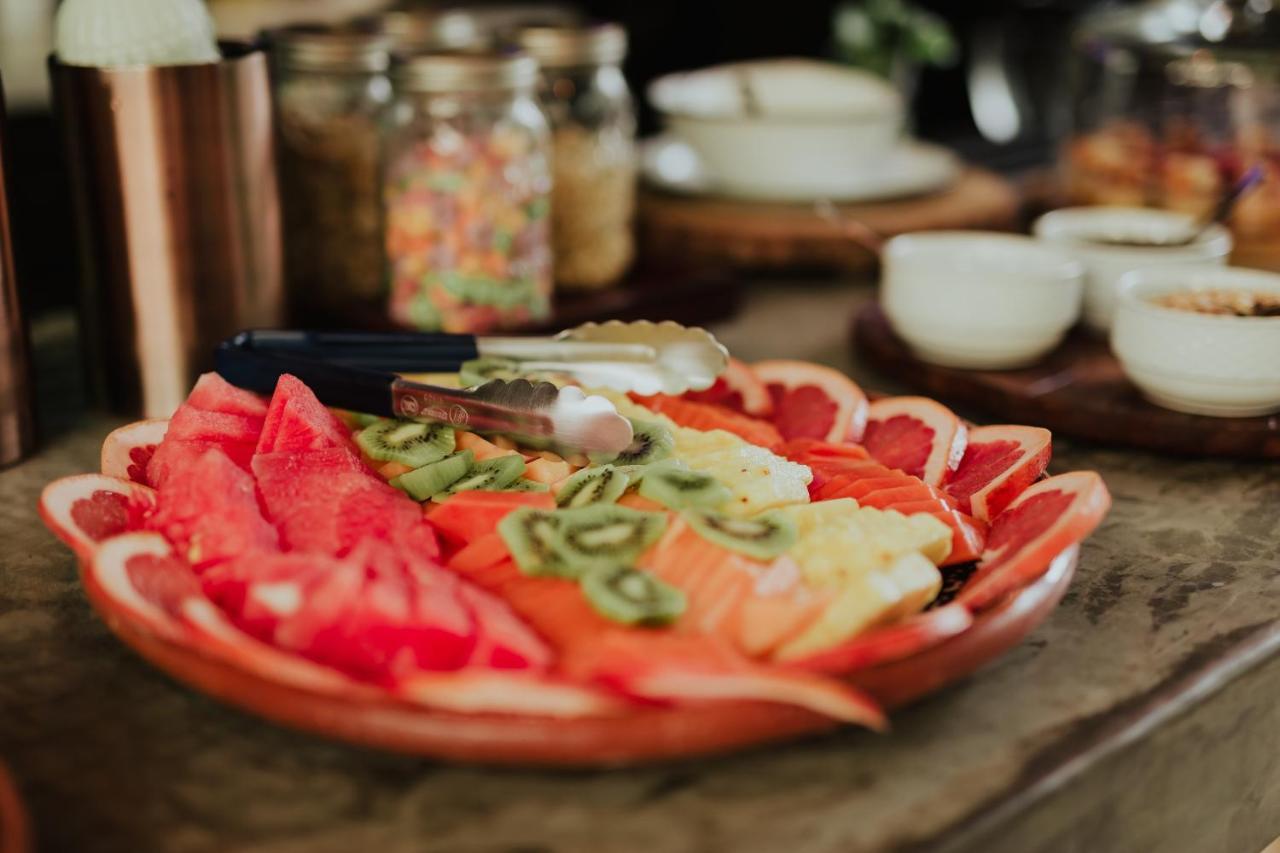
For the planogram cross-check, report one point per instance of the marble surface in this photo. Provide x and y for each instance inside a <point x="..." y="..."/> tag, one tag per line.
<point x="1175" y="601"/>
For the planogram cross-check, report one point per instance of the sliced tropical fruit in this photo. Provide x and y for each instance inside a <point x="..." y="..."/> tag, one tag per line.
<point x="874" y="485"/>
<point x="209" y="512"/>
<point x="482" y="691"/>
<point x="999" y="462"/>
<point x="709" y="416"/>
<point x="757" y="478"/>
<point x="916" y="435"/>
<point x="297" y="421"/>
<point x="87" y="509"/>
<point x="812" y="401"/>
<point x="739" y="389"/>
<point x="482" y="448"/>
<point x="1041" y="522"/>
<point x="838" y="539"/>
<point x="468" y="516"/>
<point x="891" y="642"/>
<point x="659" y="665"/>
<point x="127" y="450"/>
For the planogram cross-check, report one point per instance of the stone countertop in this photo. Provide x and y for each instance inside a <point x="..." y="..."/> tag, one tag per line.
<point x="1140" y="716"/>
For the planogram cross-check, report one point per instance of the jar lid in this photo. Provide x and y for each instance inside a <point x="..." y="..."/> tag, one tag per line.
<point x="566" y="46"/>
<point x="425" y="29"/>
<point x="460" y="71"/>
<point x="315" y="47"/>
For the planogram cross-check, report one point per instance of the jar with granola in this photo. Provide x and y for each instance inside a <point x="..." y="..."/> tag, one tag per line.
<point x="593" y="145"/>
<point x="467" y="193"/>
<point x="330" y="90"/>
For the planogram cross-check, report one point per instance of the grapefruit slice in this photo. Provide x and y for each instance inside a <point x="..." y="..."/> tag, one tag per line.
<point x="140" y="575"/>
<point x="88" y="509"/>
<point x="709" y="416"/>
<point x="998" y="464"/>
<point x="127" y="450"/>
<point x="739" y="389"/>
<point x="890" y="643"/>
<point x="916" y="435"/>
<point x="1036" y="527"/>
<point x="812" y="401"/>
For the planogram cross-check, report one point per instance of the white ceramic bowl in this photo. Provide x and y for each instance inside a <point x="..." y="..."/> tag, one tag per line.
<point x="1074" y="229"/>
<point x="1206" y="364"/>
<point x="817" y="127"/>
<point x="980" y="300"/>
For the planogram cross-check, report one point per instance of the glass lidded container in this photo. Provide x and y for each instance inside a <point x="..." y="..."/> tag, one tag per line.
<point x="330" y="90"/>
<point x="416" y="29"/>
<point x="593" y="122"/>
<point x="466" y="192"/>
<point x="1173" y="101"/>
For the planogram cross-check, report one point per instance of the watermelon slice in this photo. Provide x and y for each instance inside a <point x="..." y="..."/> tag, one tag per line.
<point x="127" y="450"/>
<point x="998" y="464"/>
<point x="916" y="435"/>
<point x="739" y="389"/>
<point x="1043" y="521"/>
<point x="326" y="501"/>
<point x="192" y="431"/>
<point x="297" y="421"/>
<point x="209" y="512"/>
<point x="212" y="393"/>
<point x="812" y="401"/>
<point x="88" y="509"/>
<point x="709" y="416"/>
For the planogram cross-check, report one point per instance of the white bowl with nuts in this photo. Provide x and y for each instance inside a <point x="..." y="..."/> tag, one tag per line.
<point x="1203" y="339"/>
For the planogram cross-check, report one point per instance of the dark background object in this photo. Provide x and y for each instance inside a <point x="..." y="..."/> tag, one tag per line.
<point x="17" y="431"/>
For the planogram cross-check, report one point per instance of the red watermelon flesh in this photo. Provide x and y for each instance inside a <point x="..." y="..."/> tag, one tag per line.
<point x="194" y="431"/>
<point x="297" y="421"/>
<point x="209" y="512"/>
<point x="212" y="393"/>
<point x="998" y="464"/>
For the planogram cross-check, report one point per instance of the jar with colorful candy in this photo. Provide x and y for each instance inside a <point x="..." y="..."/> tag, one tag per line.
<point x="466" y="191"/>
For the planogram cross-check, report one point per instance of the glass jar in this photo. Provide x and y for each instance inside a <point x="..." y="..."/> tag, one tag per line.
<point x="331" y="88"/>
<point x="1173" y="101"/>
<point x="421" y="29"/>
<point x="593" y="149"/>
<point x="467" y="193"/>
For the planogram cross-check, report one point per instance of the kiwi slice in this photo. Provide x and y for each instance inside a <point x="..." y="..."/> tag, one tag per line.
<point x="606" y="534"/>
<point x="478" y="371"/>
<point x="650" y="442"/>
<point x="631" y="596"/>
<point x="408" y="442"/>
<point x="673" y="485"/>
<point x="533" y="538"/>
<point x="433" y="478"/>
<point x="523" y="485"/>
<point x="491" y="475"/>
<point x="762" y="536"/>
<point x="604" y="484"/>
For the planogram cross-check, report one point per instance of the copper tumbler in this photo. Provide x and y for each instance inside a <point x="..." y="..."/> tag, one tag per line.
<point x="178" y="216"/>
<point x="16" y="430"/>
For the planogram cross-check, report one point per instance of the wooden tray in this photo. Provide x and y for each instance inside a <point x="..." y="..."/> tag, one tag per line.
<point x="772" y="237"/>
<point x="1079" y="391"/>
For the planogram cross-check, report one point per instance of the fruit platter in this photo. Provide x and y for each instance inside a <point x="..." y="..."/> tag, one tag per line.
<point x="770" y="558"/>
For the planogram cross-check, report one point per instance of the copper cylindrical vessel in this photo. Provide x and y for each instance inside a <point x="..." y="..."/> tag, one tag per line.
<point x="174" y="178"/>
<point x="17" y="433"/>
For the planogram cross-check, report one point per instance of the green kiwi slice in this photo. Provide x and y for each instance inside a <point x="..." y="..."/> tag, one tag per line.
<point x="604" y="484"/>
<point x="762" y="536"/>
<point x="523" y="485"/>
<point x="433" y="478"/>
<point x="478" y="371"/>
<point x="631" y="596"/>
<point x="606" y="534"/>
<point x="491" y="475"/>
<point x="673" y="485"/>
<point x="650" y="442"/>
<point x="533" y="538"/>
<point x="408" y="442"/>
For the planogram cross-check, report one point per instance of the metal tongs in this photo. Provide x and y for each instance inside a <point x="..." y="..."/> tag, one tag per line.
<point x="360" y="371"/>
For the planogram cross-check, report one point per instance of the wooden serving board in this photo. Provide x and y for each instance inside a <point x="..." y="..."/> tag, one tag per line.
<point x="1078" y="391"/>
<point x="779" y="236"/>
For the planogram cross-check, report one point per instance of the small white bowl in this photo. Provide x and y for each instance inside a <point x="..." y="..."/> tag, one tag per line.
<point x="977" y="299"/>
<point x="1205" y="364"/>
<point x="1075" y="230"/>
<point x="818" y="125"/>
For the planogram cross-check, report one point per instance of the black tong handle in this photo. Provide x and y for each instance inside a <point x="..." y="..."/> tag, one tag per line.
<point x="416" y="351"/>
<point x="243" y="363"/>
